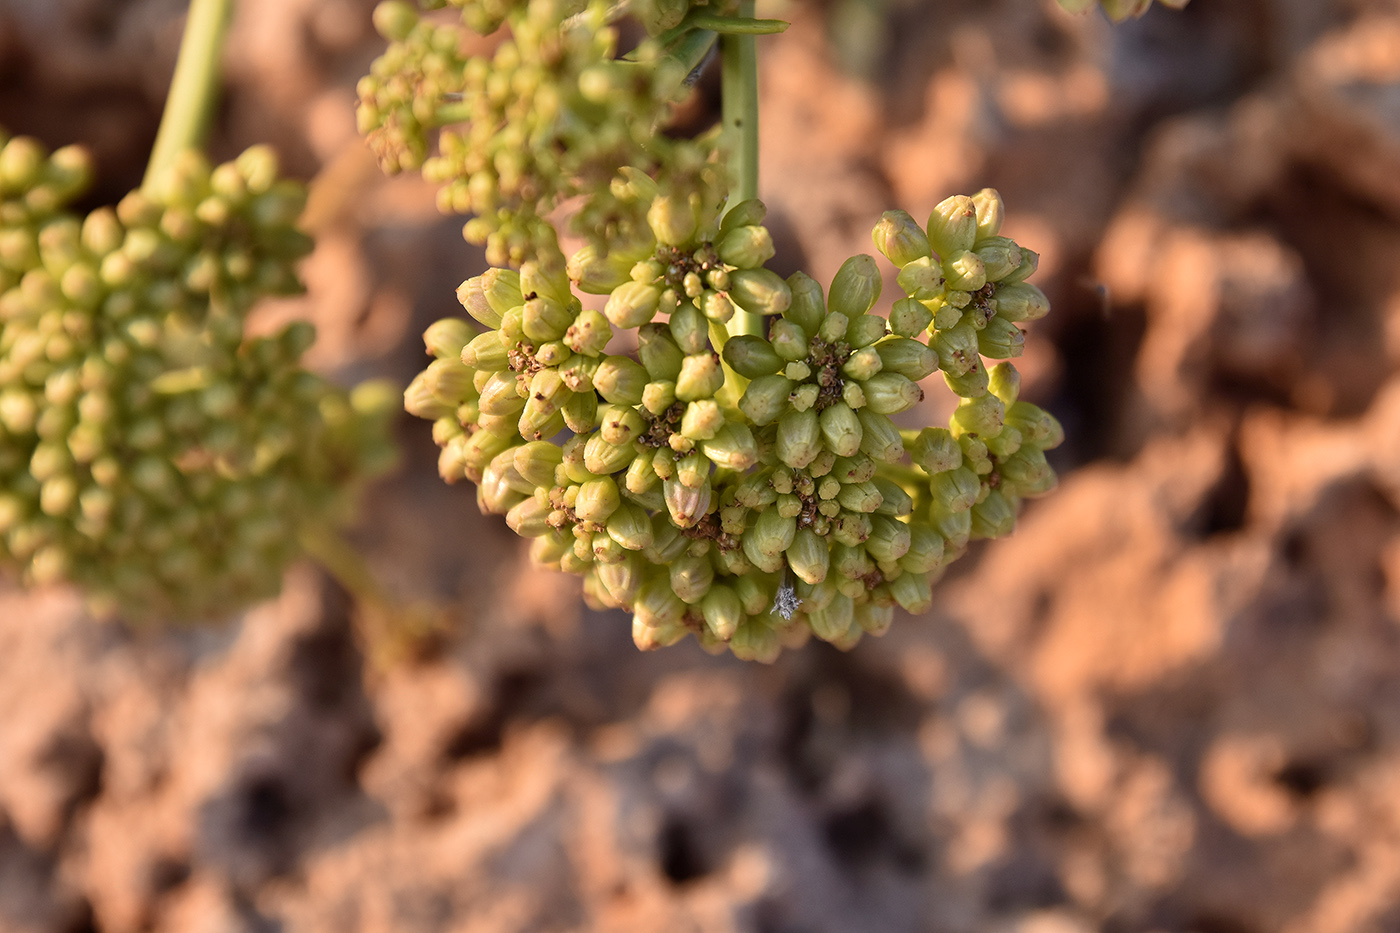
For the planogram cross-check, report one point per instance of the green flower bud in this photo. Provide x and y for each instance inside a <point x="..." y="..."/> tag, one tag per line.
<point x="746" y="247"/>
<point x="860" y="497"/>
<point x="722" y="610"/>
<point x="751" y="356"/>
<point x="482" y="447"/>
<point x="620" y="424"/>
<point x="756" y="640"/>
<point x="772" y="532"/>
<point x="925" y="553"/>
<point x="620" y="380"/>
<point x="1037" y="426"/>
<point x="964" y="271"/>
<point x="809" y="557"/>
<point x="952" y="227"/>
<point x="545" y="319"/>
<point x="936" y="450"/>
<point x="851" y="528"/>
<point x="632" y="304"/>
<point x="641" y="476"/>
<point x="766" y="398"/>
<point x="701" y="376"/>
<point x="1004" y="382"/>
<point x="909" y="318"/>
<point x="1020" y="302"/>
<point x="446" y="339"/>
<point x="581" y="411"/>
<point x="765" y="562"/>
<point x="658" y="614"/>
<point x="702" y="420"/>
<point x="601" y="458"/>
<point x="789" y="340"/>
<point x="889" y="540"/>
<point x="658" y="352"/>
<point x="690" y="330"/>
<point x="910" y="358"/>
<point x="597" y="499"/>
<point x="528" y="518"/>
<point x="1001" y="340"/>
<point x="990" y="210"/>
<point x="865" y="329"/>
<point x="833" y="327"/>
<point x="693" y="469"/>
<point x="899" y="237"/>
<point x="621" y="579"/>
<point x="658" y="396"/>
<point x="537" y="461"/>
<point x="879" y="437"/>
<point x="957" y="349"/>
<point x="913" y="592"/>
<point x="418" y="400"/>
<point x="599" y="275"/>
<point x="687" y="506"/>
<point x="630" y="526"/>
<point x="667" y="541"/>
<point x="831" y="622"/>
<point x="922" y="279"/>
<point x="982" y="416"/>
<point x="972" y="384"/>
<point x="975" y="454"/>
<point x="993" y="517"/>
<point x="732" y="448"/>
<point x="673" y="219"/>
<point x="954" y="490"/>
<point x="472" y="297"/>
<point x="717" y="306"/>
<point x="808" y="307"/>
<point x="588" y="334"/>
<point x="759" y="291"/>
<point x="841" y="429"/>
<point x="1026" y="469"/>
<point x="895" y="501"/>
<point x="1004" y="444"/>
<point x="862" y="364"/>
<point x="743" y="214"/>
<point x="799" y="438"/>
<point x="891" y="393"/>
<point x="856" y="287"/>
<point x="1000" y="256"/>
<point x="500" y="395"/>
<point x="485" y="352"/>
<point x="691" y="578"/>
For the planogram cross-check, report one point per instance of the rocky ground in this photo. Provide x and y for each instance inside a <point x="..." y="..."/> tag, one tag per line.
<point x="1169" y="703"/>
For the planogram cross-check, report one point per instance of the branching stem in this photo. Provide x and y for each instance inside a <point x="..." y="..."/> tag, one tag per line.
<point x="194" y="90"/>
<point x="739" y="74"/>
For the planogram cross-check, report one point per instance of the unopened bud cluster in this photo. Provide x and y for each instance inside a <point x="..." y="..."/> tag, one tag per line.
<point x="749" y="490"/>
<point x="549" y="116"/>
<point x="148" y="451"/>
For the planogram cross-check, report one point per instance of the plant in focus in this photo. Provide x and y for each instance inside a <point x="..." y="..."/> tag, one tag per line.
<point x="710" y="446"/>
<point x="151" y="451"/>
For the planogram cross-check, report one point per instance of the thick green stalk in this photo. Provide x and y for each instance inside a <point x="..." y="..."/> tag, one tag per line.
<point x="189" y="107"/>
<point x="739" y="74"/>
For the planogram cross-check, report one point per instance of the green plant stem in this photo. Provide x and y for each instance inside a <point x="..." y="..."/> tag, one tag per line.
<point x="189" y="107"/>
<point x="739" y="74"/>
<point x="344" y="563"/>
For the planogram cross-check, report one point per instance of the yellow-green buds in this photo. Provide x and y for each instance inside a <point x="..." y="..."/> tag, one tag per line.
<point x="632" y="304"/>
<point x="952" y="227"/>
<point x="759" y="291"/>
<point x="900" y="239"/>
<point x="856" y="287"/>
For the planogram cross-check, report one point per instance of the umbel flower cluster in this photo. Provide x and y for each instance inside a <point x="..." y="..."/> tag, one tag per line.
<point x="150" y="451"/>
<point x="751" y="489"/>
<point x="548" y="117"/>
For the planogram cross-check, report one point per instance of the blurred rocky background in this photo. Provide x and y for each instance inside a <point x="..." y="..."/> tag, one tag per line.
<point x="1170" y="702"/>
